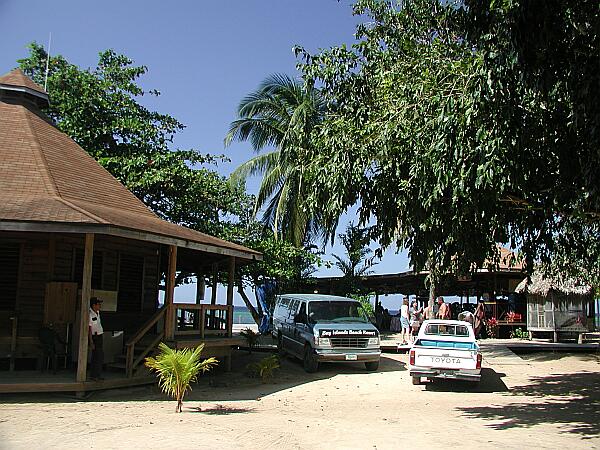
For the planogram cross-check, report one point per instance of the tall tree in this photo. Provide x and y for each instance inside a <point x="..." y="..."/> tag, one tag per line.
<point x="280" y="115"/>
<point x="459" y="125"/>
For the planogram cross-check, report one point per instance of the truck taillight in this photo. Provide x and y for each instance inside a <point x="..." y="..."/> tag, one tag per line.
<point x="478" y="366"/>
<point x="412" y="357"/>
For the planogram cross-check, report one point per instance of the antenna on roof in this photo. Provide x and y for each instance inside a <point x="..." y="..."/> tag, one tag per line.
<point x="47" y="61"/>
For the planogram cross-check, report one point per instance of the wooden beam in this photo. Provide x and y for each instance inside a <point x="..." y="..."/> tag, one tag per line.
<point x="231" y="281"/>
<point x="215" y="284"/>
<point x="112" y="230"/>
<point x="84" y="308"/>
<point x="170" y="293"/>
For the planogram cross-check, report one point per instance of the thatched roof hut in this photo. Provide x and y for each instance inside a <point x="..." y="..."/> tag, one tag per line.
<point x="558" y="303"/>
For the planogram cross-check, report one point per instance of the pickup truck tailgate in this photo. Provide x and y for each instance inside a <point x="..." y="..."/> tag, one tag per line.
<point x="445" y="358"/>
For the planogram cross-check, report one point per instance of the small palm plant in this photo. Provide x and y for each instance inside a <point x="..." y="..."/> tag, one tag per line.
<point x="251" y="338"/>
<point x="177" y="369"/>
<point x="264" y="369"/>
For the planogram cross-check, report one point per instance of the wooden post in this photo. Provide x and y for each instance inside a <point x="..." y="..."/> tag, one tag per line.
<point x="230" y="281"/>
<point x="84" y="308"/>
<point x="215" y="283"/>
<point x="200" y="288"/>
<point x="230" y="287"/>
<point x="170" y="293"/>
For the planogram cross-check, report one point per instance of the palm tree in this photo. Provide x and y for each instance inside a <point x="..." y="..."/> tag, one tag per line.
<point x="177" y="369"/>
<point x="357" y="261"/>
<point x="281" y="115"/>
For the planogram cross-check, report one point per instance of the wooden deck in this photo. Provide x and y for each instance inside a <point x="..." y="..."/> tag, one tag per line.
<point x="21" y="381"/>
<point x="64" y="381"/>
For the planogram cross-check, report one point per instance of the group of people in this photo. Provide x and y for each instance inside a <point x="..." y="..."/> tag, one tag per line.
<point x="411" y="317"/>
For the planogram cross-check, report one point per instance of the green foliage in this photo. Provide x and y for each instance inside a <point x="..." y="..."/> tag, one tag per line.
<point x="251" y="338"/>
<point x="177" y="369"/>
<point x="357" y="261"/>
<point x="100" y="109"/>
<point x="366" y="309"/>
<point x="460" y="125"/>
<point x="264" y="369"/>
<point x="280" y="114"/>
<point x="519" y="333"/>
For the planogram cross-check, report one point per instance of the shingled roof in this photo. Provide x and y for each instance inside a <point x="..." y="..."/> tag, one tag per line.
<point x="47" y="179"/>
<point x="17" y="79"/>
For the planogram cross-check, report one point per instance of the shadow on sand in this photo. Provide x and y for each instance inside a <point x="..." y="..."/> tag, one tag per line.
<point x="491" y="381"/>
<point x="571" y="401"/>
<point x="221" y="386"/>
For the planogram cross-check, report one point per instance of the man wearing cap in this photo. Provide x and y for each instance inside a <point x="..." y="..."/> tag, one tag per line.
<point x="96" y="342"/>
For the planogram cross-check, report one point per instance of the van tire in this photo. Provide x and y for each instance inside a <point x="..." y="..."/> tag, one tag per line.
<point x="416" y="380"/>
<point x="372" y="366"/>
<point x="280" y="350"/>
<point x="311" y="365"/>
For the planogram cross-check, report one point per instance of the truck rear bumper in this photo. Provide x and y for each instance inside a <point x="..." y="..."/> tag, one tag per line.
<point x="445" y="373"/>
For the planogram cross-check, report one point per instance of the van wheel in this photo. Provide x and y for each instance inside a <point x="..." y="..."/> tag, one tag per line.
<point x="416" y="380"/>
<point x="372" y="366"/>
<point x="280" y="349"/>
<point x="311" y="365"/>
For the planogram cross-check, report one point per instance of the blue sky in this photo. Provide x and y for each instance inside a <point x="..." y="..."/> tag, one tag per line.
<point x="203" y="56"/>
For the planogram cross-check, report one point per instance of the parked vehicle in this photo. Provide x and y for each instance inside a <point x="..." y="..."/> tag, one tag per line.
<point x="445" y="349"/>
<point x="324" y="328"/>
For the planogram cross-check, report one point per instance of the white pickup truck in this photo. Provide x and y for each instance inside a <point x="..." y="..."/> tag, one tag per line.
<point x="445" y="349"/>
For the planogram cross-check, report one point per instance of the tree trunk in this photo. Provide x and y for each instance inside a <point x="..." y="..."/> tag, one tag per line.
<point x="249" y="305"/>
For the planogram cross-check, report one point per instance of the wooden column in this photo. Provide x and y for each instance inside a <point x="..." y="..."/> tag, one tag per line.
<point x="170" y="293"/>
<point x="231" y="281"/>
<point x="200" y="288"/>
<point x="84" y="308"/>
<point x="215" y="284"/>
<point x="230" y="287"/>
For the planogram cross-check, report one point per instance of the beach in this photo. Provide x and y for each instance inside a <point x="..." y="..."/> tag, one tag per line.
<point x="540" y="401"/>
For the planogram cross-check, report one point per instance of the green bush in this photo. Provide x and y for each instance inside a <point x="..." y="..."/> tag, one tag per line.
<point x="264" y="369"/>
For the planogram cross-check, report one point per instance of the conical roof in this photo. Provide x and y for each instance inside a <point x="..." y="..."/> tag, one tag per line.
<point x="17" y="78"/>
<point x="45" y="177"/>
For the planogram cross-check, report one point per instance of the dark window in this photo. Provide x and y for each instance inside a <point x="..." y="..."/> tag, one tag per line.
<point x="97" y="261"/>
<point x="9" y="275"/>
<point x="131" y="276"/>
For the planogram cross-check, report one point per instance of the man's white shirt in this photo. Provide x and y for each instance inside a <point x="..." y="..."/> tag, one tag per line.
<point x="95" y="324"/>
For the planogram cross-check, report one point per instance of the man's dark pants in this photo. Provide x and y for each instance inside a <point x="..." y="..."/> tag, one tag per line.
<point x="97" y="356"/>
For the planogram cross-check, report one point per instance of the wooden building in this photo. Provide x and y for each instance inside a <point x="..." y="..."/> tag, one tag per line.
<point x="70" y="230"/>
<point x="558" y="305"/>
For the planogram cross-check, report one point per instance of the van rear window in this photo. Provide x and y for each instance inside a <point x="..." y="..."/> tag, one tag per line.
<point x="447" y="330"/>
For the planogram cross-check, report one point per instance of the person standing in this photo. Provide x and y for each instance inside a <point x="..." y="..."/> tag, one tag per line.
<point x="415" y="318"/>
<point x="444" y="309"/>
<point x="479" y="317"/>
<point x="405" y="322"/>
<point x="96" y="339"/>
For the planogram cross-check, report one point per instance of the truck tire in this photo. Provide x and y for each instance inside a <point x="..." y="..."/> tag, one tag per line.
<point x="372" y="366"/>
<point x="311" y="365"/>
<point x="280" y="348"/>
<point x="416" y="380"/>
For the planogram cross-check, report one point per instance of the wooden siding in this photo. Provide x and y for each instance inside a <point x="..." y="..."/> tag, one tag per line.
<point x="54" y="257"/>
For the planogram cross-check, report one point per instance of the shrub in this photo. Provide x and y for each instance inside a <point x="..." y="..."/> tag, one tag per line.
<point x="264" y="369"/>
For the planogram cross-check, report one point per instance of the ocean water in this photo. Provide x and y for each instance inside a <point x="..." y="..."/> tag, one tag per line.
<point x="241" y="315"/>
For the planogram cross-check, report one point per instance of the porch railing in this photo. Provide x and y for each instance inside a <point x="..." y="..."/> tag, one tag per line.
<point x="203" y="320"/>
<point x="133" y="360"/>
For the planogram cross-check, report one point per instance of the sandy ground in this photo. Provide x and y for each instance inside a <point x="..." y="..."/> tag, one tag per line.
<point x="538" y="401"/>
